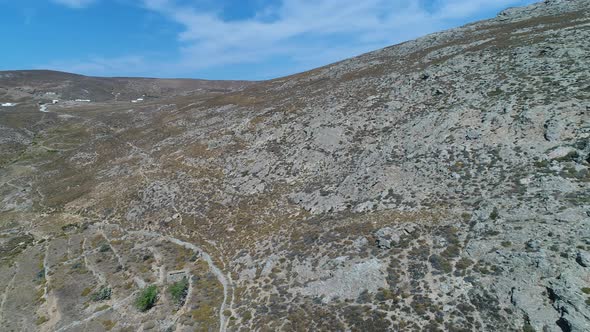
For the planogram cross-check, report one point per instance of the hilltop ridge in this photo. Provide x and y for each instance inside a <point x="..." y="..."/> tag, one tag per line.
<point x="22" y="85"/>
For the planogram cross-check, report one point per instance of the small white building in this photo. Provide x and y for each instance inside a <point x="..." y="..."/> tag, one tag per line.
<point x="55" y="101"/>
<point x="8" y="104"/>
<point x="83" y="100"/>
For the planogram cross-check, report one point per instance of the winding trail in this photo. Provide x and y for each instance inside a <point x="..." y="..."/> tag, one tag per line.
<point x="6" y="289"/>
<point x="95" y="272"/>
<point x="97" y="314"/>
<point x="223" y="279"/>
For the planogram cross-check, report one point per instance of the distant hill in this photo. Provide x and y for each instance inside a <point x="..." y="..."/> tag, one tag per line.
<point x="37" y="83"/>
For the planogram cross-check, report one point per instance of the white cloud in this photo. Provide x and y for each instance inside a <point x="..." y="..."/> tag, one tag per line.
<point x="300" y="26"/>
<point x="75" y="3"/>
<point x="96" y="65"/>
<point x="302" y="33"/>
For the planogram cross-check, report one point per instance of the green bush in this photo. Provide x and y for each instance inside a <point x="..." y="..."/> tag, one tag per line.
<point x="147" y="298"/>
<point x="495" y="214"/>
<point x="104" y="293"/>
<point x="463" y="263"/>
<point x="104" y="247"/>
<point x="179" y="290"/>
<point x="440" y="263"/>
<point x="247" y="315"/>
<point x="451" y="251"/>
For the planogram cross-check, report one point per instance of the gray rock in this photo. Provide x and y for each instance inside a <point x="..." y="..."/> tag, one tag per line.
<point x="561" y="152"/>
<point x="533" y="245"/>
<point x="583" y="258"/>
<point x="386" y="237"/>
<point x="472" y="134"/>
<point x="383" y="244"/>
<point x="553" y="130"/>
<point x="562" y="293"/>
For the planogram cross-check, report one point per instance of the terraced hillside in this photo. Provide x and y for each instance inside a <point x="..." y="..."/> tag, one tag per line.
<point x="437" y="185"/>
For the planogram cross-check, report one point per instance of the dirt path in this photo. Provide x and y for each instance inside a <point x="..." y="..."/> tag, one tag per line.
<point x="5" y="294"/>
<point x="97" y="314"/>
<point x="223" y="279"/>
<point x="95" y="272"/>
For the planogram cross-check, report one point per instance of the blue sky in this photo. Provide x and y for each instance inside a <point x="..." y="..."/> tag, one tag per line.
<point x="216" y="39"/>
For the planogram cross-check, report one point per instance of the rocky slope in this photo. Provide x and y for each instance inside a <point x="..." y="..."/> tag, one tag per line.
<point x="439" y="184"/>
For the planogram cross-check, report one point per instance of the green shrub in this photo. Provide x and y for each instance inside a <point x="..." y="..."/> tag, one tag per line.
<point x="440" y="263"/>
<point x="570" y="156"/>
<point x="494" y="215"/>
<point x="41" y="320"/>
<point x="86" y="291"/>
<point x="451" y="251"/>
<point x="104" y="247"/>
<point x="147" y="298"/>
<point x="528" y="327"/>
<point x="102" y="308"/>
<point x="104" y="293"/>
<point x="463" y="263"/>
<point x="179" y="290"/>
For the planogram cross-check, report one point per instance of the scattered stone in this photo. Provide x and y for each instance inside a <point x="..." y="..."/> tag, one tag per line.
<point x="583" y="258"/>
<point x="561" y="152"/>
<point x="552" y="130"/>
<point x="533" y="245"/>
<point x="472" y="134"/>
<point x="385" y="236"/>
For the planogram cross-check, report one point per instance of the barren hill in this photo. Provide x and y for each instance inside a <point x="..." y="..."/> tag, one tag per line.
<point x="437" y="185"/>
<point x="47" y="85"/>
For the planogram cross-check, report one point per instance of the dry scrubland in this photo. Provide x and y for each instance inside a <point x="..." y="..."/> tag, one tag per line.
<point x="440" y="184"/>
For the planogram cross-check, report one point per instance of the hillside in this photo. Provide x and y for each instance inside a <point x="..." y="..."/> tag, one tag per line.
<point x="441" y="184"/>
<point x="46" y="85"/>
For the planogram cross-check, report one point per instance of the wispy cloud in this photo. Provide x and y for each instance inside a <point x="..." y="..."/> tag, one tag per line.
<point x="96" y="65"/>
<point x="130" y="65"/>
<point x="306" y="29"/>
<point x="75" y="3"/>
<point x="303" y="33"/>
